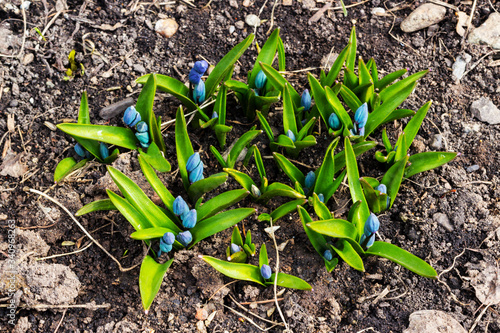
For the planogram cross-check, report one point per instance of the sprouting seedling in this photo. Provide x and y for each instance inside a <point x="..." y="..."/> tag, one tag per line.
<point x="239" y="250"/>
<point x="236" y="149"/>
<point x="40" y="33"/>
<point x="73" y="66"/>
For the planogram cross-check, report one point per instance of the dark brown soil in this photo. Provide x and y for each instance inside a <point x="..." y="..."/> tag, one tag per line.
<point x="343" y="301"/>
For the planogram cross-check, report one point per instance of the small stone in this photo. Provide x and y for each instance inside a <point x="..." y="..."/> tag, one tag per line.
<point x="114" y="109"/>
<point x="252" y="20"/>
<point x="15" y="89"/>
<point x="166" y="27"/>
<point x="432" y="30"/>
<point x="139" y="68"/>
<point x="437" y="142"/>
<point x="246" y="3"/>
<point x="28" y="59"/>
<point x="233" y="3"/>
<point x="201" y="314"/>
<point x="231" y="29"/>
<point x="459" y="66"/>
<point x="308" y="4"/>
<point x="422" y="17"/>
<point x="14" y="103"/>
<point x="378" y="11"/>
<point x="200" y="326"/>
<point x="239" y="25"/>
<point x="484" y="110"/>
<point x="488" y="33"/>
<point x="424" y="321"/>
<point x="443" y="220"/>
<point x="473" y="168"/>
<point x="287" y="2"/>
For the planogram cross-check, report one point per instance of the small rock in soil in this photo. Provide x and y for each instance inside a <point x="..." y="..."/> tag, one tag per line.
<point x="23" y="325"/>
<point x="488" y="33"/>
<point x="239" y="25"/>
<point x="437" y="142"/>
<point x="425" y="321"/>
<point x="28" y="58"/>
<point x="166" y="27"/>
<point x="252" y="20"/>
<point x="233" y="3"/>
<point x="114" y="109"/>
<point x="487" y="283"/>
<point x="422" y="17"/>
<point x="139" y="68"/>
<point x="379" y="11"/>
<point x="459" y="66"/>
<point x="201" y="314"/>
<point x="12" y="165"/>
<point x="308" y="4"/>
<point x="484" y="110"/>
<point x="443" y="220"/>
<point x="473" y="168"/>
<point x="432" y="30"/>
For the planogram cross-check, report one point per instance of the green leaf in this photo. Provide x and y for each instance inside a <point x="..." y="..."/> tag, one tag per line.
<point x="345" y="251"/>
<point x="266" y="56"/>
<point x="393" y="177"/>
<point x="351" y="55"/>
<point x="259" y="163"/>
<point x="288" y="281"/>
<point x="358" y="148"/>
<point x="220" y="105"/>
<point x="94" y="206"/>
<point x="226" y="64"/>
<point x="157" y="184"/>
<point x="389" y="78"/>
<point x="427" y="161"/>
<point x="150" y="278"/>
<point x="265" y="126"/>
<point x="242" y="142"/>
<point x="67" y="166"/>
<point x="281" y="55"/>
<point x="218" y="157"/>
<point x="242" y="178"/>
<point x="263" y="259"/>
<point x="326" y="172"/>
<point x="289" y="169"/>
<point x="145" y="100"/>
<point x="136" y="219"/>
<point x="403" y="258"/>
<point x="411" y="129"/>
<point x="172" y="86"/>
<point x="119" y="136"/>
<point x="338" y="108"/>
<point x="376" y="201"/>
<point x="155" y="158"/>
<point x="236" y="237"/>
<point x="335" y="228"/>
<point x="183" y="146"/>
<point x="236" y="271"/>
<point x="350" y="98"/>
<point x="217" y="223"/>
<point x="377" y="117"/>
<point x="150" y="233"/>
<point x="221" y="132"/>
<point x="317" y="240"/>
<point x="355" y="185"/>
<point x="398" y="114"/>
<point x="140" y="201"/>
<point x="318" y="92"/>
<point x="334" y="71"/>
<point x="197" y="189"/>
<point x="386" y="141"/>
<point x="278" y="189"/>
<point x="396" y="88"/>
<point x="286" y="209"/>
<point x="320" y="208"/>
<point x="220" y="202"/>
<point x="306" y="129"/>
<point x="83" y="114"/>
<point x="289" y="122"/>
<point x="279" y="82"/>
<point x="237" y="86"/>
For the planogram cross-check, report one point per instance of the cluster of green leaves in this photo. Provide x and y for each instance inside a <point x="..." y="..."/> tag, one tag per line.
<point x="73" y="68"/>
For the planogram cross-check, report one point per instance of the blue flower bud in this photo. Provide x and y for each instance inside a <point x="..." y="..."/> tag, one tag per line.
<point x="199" y="68"/>
<point x="388" y="202"/>
<point x="321" y="197"/>
<point x="260" y="80"/>
<point x="184" y="238"/>
<point x="131" y="116"/>
<point x="334" y="122"/>
<point x="290" y="134"/>
<point x="199" y="92"/>
<point x="361" y="131"/>
<point x="371" y="225"/>
<point x="256" y="92"/>
<point x="382" y="188"/>
<point x="80" y="150"/>
<point x="143" y="137"/>
<point x="255" y="191"/>
<point x="142" y="127"/>
<point x="215" y="115"/>
<point x="193" y="162"/>
<point x="189" y="219"/>
<point x="305" y="101"/>
<point x="370" y="242"/>
<point x="103" y="149"/>
<point x="266" y="272"/>
<point x="164" y="248"/>
<point x="180" y="206"/>
<point x="196" y="174"/>
<point x="328" y="255"/>
<point x="361" y="115"/>
<point x="168" y="238"/>
<point x="234" y="248"/>
<point x="310" y="179"/>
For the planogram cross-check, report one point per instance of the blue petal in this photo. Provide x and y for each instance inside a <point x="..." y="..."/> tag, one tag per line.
<point x="168" y="238"/>
<point x="142" y="126"/>
<point x="361" y="115"/>
<point x="189" y="219"/>
<point x="165" y="247"/>
<point x="184" y="238"/>
<point x="180" y="206"/>
<point x="143" y="137"/>
<point x="260" y="80"/>
<point x="305" y="101"/>
<point x="199" y="92"/>
<point x="80" y="150"/>
<point x="255" y="191"/>
<point x="196" y="174"/>
<point x="131" y="116"/>
<point x="234" y="248"/>
<point x="328" y="255"/>
<point x="199" y="68"/>
<point x="310" y="179"/>
<point x="266" y="272"/>
<point x="372" y="225"/>
<point x="290" y="134"/>
<point x="321" y="197"/>
<point x="215" y="115"/>
<point x="382" y="188"/>
<point x="334" y="122"/>
<point x="193" y="162"/>
<point x="103" y="149"/>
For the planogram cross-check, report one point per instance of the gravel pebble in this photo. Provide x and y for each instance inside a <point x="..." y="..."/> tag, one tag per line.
<point x="473" y="168"/>
<point x="484" y="110"/>
<point x="422" y="17"/>
<point x="437" y="141"/>
<point x="488" y="33"/>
